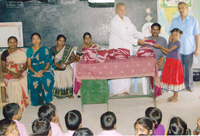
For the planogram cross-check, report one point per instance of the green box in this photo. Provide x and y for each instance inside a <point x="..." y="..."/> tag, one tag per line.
<point x="94" y="92"/>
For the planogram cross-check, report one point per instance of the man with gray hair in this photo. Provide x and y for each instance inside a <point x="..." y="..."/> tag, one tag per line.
<point x="123" y="34"/>
<point x="189" y="41"/>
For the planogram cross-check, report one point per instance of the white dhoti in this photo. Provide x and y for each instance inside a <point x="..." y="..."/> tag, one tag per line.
<point x="121" y="85"/>
<point x="123" y="35"/>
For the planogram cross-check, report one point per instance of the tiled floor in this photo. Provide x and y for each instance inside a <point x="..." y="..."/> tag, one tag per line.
<point x="127" y="111"/>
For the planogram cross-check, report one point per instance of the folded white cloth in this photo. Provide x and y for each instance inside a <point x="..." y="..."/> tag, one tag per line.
<point x="195" y="61"/>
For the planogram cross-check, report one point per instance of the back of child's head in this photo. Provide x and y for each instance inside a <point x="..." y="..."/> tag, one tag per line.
<point x="73" y="119"/>
<point x="108" y="120"/>
<point x="154" y="114"/>
<point x="176" y="30"/>
<point x="4" y="124"/>
<point x="47" y="111"/>
<point x="9" y="110"/>
<point x="146" y="123"/>
<point x="178" y="127"/>
<point x="83" y="132"/>
<point x="41" y="126"/>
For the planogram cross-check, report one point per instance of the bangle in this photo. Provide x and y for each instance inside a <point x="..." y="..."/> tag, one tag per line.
<point x="63" y="66"/>
<point x="197" y="130"/>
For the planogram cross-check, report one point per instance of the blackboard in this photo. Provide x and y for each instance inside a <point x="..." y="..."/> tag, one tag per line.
<point x="73" y="20"/>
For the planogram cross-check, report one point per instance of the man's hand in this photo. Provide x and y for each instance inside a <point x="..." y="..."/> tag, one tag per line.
<point x="141" y="42"/>
<point x="160" y="61"/>
<point x="196" y="52"/>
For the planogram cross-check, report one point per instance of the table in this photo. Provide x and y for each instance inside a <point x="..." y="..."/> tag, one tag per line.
<point x="122" y="68"/>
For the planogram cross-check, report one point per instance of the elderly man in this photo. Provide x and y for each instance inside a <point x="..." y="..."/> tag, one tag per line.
<point x="189" y="41"/>
<point x="123" y="35"/>
<point x="160" y="56"/>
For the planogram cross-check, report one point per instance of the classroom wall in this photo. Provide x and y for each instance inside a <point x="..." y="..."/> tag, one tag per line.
<point x="73" y="20"/>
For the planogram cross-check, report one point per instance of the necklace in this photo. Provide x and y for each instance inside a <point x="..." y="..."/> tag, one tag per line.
<point x="85" y="46"/>
<point x="34" y="48"/>
<point x="12" y="51"/>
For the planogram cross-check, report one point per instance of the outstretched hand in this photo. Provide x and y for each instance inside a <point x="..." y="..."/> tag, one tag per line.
<point x="157" y="46"/>
<point x="141" y="42"/>
<point x="145" y="38"/>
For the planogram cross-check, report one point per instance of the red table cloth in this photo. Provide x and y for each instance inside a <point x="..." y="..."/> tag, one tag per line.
<point x="121" y="68"/>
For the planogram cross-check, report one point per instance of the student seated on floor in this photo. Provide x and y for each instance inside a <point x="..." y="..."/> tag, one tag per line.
<point x="108" y="122"/>
<point x="48" y="111"/>
<point x="178" y="127"/>
<point x="8" y="128"/>
<point x="83" y="132"/>
<point x="156" y="116"/>
<point x="41" y="127"/>
<point x="143" y="126"/>
<point x="73" y="121"/>
<point x="12" y="111"/>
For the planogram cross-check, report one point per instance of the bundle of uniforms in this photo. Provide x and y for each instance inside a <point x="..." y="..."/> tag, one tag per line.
<point x="146" y="51"/>
<point x="94" y="55"/>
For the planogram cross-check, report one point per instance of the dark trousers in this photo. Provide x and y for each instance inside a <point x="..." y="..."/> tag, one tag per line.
<point x="187" y="61"/>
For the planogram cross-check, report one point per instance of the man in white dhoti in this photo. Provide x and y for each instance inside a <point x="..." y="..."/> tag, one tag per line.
<point x="123" y="35"/>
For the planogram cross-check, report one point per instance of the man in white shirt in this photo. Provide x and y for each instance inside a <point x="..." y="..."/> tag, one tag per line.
<point x="123" y="35"/>
<point x="189" y="41"/>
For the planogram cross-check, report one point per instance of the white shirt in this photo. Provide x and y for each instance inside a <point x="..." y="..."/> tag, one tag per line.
<point x="69" y="133"/>
<point x="56" y="131"/>
<point x="109" y="133"/>
<point x="123" y="33"/>
<point x="22" y="129"/>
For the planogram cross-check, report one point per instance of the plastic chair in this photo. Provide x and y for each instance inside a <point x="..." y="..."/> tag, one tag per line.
<point x="144" y="82"/>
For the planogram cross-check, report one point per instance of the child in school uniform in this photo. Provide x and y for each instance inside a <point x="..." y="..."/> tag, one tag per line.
<point x="83" y="132"/>
<point x="12" y="111"/>
<point x="143" y="126"/>
<point x="172" y="78"/>
<point x="177" y="126"/>
<point x="73" y="121"/>
<point x="108" y="122"/>
<point x="48" y="111"/>
<point x="41" y="127"/>
<point x="8" y="128"/>
<point x="156" y="116"/>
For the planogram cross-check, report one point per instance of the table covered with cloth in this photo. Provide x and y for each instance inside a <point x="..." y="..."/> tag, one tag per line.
<point x="121" y="68"/>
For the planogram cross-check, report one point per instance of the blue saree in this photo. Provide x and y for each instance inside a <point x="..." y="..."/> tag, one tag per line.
<point x="40" y="88"/>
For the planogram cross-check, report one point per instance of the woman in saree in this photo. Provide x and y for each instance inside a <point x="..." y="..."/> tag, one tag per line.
<point x="40" y="73"/>
<point x="63" y="56"/>
<point x="14" y="65"/>
<point x="87" y="38"/>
